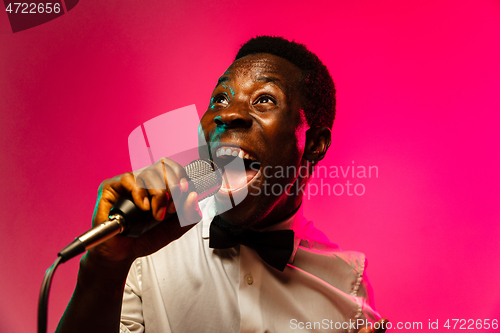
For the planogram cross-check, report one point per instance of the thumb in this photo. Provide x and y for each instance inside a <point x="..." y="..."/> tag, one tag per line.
<point x="190" y="212"/>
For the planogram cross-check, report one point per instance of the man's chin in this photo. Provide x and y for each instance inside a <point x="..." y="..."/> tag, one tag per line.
<point x="240" y="213"/>
<point x="251" y="205"/>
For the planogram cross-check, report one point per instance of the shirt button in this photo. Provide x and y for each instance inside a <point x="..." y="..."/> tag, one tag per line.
<point x="249" y="279"/>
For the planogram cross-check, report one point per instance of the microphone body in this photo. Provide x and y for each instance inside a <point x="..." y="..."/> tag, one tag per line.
<point x="129" y="220"/>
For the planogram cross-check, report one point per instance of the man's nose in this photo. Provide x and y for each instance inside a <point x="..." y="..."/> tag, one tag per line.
<point x="234" y="117"/>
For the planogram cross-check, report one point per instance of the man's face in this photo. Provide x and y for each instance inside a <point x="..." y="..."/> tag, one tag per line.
<point x="256" y="106"/>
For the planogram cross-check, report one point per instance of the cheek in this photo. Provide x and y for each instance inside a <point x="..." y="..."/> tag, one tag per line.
<point x="206" y="128"/>
<point x="296" y="133"/>
<point x="201" y="135"/>
<point x="204" y="122"/>
<point x="290" y="145"/>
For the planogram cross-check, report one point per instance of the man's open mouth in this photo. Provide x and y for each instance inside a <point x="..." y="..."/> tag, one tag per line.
<point x="240" y="167"/>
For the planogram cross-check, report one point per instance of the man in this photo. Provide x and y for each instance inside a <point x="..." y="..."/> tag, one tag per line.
<point x="273" y="108"/>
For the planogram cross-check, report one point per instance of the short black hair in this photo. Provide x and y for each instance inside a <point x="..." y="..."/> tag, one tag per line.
<point x="317" y="87"/>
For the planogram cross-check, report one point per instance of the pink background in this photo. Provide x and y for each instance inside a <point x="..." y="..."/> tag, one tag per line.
<point x="418" y="96"/>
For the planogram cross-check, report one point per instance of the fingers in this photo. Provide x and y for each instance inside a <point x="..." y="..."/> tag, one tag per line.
<point x="139" y="193"/>
<point x="109" y="192"/>
<point x="163" y="182"/>
<point x="365" y="330"/>
<point x="190" y="212"/>
<point x="381" y="327"/>
<point x="153" y="188"/>
<point x="378" y="327"/>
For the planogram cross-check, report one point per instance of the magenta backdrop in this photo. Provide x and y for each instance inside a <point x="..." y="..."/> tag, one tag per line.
<point x="418" y="96"/>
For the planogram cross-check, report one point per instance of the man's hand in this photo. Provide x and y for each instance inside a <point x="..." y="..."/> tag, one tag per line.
<point x="96" y="303"/>
<point x="379" y="327"/>
<point x="154" y="189"/>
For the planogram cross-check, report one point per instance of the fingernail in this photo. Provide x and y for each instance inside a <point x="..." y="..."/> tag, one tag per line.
<point x="184" y="185"/>
<point x="160" y="215"/>
<point x="146" y="202"/>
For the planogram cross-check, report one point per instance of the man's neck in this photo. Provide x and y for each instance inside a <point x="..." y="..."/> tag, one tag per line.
<point x="276" y="215"/>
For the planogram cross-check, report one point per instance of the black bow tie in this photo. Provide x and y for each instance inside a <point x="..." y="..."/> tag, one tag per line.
<point x="274" y="247"/>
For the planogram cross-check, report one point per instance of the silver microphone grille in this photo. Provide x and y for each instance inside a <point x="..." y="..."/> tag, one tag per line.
<point x="206" y="177"/>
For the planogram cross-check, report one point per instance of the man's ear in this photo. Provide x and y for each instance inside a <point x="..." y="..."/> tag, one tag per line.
<point x="318" y="141"/>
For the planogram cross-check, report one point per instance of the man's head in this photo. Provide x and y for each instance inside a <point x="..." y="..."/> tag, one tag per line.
<point x="259" y="105"/>
<point x="316" y="84"/>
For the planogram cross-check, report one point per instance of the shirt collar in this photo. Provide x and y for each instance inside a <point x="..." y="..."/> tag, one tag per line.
<point x="295" y="222"/>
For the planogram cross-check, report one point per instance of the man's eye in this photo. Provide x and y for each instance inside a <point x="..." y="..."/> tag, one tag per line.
<point x="220" y="99"/>
<point x="265" y="99"/>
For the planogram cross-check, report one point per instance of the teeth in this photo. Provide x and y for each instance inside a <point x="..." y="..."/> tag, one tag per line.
<point x="233" y="152"/>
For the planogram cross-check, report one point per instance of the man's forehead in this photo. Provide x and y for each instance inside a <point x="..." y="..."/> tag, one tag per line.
<point x="263" y="62"/>
<point x="262" y="67"/>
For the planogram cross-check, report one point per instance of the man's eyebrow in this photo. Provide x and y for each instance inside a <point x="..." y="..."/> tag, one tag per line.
<point x="222" y="79"/>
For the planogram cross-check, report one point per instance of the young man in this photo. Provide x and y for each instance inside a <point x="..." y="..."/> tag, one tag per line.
<point x="258" y="267"/>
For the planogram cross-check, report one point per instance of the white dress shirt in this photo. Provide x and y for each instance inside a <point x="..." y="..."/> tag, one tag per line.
<point x="189" y="287"/>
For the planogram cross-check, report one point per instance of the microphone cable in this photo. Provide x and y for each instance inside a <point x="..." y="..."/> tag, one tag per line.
<point x="43" y="299"/>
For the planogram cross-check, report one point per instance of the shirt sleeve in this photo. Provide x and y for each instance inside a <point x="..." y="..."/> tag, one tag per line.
<point x="132" y="320"/>
<point x="368" y="305"/>
<point x="361" y="288"/>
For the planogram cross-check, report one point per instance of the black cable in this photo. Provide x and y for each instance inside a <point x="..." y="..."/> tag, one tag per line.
<point x="43" y="299"/>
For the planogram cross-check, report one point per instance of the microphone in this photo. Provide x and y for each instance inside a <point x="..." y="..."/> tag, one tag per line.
<point x="127" y="219"/>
